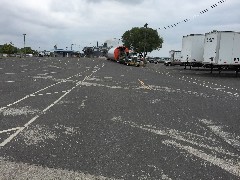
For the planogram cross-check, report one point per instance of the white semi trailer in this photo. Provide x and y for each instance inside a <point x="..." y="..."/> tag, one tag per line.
<point x="192" y="49"/>
<point x="222" y="48"/>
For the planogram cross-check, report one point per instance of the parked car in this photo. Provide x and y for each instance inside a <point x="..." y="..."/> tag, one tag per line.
<point x="151" y="60"/>
<point x="159" y="60"/>
<point x="167" y="62"/>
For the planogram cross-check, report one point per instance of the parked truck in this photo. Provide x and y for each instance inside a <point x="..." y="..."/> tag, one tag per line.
<point x="175" y="58"/>
<point x="192" y="50"/>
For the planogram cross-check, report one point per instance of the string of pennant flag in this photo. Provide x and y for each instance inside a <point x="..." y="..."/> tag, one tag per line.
<point x="186" y="20"/>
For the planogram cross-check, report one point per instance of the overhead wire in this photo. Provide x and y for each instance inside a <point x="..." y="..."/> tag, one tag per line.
<point x="195" y="16"/>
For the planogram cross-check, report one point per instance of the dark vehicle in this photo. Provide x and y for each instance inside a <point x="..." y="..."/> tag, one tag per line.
<point x="153" y="60"/>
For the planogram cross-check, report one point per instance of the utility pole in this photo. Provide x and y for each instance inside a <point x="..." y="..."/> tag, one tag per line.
<point x="145" y="41"/>
<point x="24" y="43"/>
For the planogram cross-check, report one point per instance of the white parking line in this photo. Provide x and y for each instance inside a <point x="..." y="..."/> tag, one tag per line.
<point x="205" y="84"/>
<point x="9" y="130"/>
<point x="15" y="102"/>
<point x="198" y="145"/>
<point x="225" y="164"/>
<point x="36" y="117"/>
<point x="33" y="94"/>
<point x="145" y="86"/>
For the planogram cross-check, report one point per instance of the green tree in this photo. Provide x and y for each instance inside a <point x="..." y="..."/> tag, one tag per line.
<point x="27" y="50"/>
<point x="142" y="39"/>
<point x="8" y="49"/>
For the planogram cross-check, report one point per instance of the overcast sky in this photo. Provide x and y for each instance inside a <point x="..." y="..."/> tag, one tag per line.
<point x="84" y="22"/>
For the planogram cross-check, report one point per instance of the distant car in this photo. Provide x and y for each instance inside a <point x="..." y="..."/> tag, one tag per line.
<point x="160" y="60"/>
<point x="151" y="60"/>
<point x="41" y="54"/>
<point x="167" y="63"/>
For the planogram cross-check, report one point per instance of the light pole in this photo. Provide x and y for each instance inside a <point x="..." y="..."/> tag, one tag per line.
<point x="145" y="41"/>
<point x="24" y="43"/>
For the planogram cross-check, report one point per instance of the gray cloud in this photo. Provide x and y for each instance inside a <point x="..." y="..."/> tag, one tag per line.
<point x="82" y="22"/>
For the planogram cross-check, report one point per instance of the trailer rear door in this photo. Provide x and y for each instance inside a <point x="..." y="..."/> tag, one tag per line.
<point x="236" y="50"/>
<point x="226" y="48"/>
<point x="210" y="48"/>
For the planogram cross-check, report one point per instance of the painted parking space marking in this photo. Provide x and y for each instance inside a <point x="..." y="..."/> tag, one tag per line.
<point x="18" y="111"/>
<point x="206" y="84"/>
<point x="217" y="129"/>
<point x="15" y="102"/>
<point x="20" y="129"/>
<point x="227" y="165"/>
<point x="144" y="86"/>
<point x="194" y="144"/>
<point x="9" y="130"/>
<point x="35" y="93"/>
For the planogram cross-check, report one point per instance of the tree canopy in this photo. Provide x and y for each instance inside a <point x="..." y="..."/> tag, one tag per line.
<point x="27" y="50"/>
<point x="11" y="49"/>
<point x="143" y="38"/>
<point x="8" y="49"/>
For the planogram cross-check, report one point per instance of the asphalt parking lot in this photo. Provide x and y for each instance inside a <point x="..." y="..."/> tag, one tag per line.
<point x="80" y="118"/>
